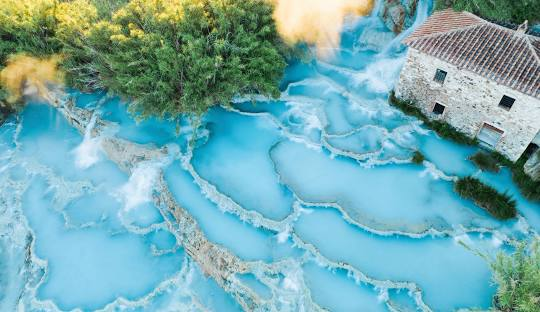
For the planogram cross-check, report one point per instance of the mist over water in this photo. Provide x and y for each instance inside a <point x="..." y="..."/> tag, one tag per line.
<point x="313" y="195"/>
<point x="317" y="22"/>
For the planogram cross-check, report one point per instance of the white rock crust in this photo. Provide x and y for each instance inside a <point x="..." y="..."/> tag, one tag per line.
<point x="214" y="260"/>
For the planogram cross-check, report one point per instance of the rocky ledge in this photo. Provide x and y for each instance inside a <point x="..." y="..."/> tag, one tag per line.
<point x="398" y="14"/>
<point x="5" y="111"/>
<point x="214" y="260"/>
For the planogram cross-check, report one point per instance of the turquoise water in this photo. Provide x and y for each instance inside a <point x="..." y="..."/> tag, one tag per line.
<point x="303" y="203"/>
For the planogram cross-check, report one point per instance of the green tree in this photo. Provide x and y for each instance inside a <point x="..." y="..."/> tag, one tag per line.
<point x="169" y="57"/>
<point x="184" y="58"/>
<point x="499" y="10"/>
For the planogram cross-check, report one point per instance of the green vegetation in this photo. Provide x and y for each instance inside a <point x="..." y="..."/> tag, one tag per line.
<point x="518" y="278"/>
<point x="4" y="112"/>
<point x="513" y="11"/>
<point x="442" y="128"/>
<point x="24" y="27"/>
<point x="5" y="109"/>
<point x="488" y="160"/>
<point x="499" y="205"/>
<point x="485" y="161"/>
<point x="529" y="188"/>
<point x="418" y="158"/>
<point x="169" y="56"/>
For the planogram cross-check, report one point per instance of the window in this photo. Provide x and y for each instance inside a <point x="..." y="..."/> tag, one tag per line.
<point x="507" y="102"/>
<point x="489" y="136"/>
<point x="440" y="76"/>
<point x="438" y="109"/>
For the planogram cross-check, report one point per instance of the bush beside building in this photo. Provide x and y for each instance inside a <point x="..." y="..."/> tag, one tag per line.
<point x="499" y="205"/>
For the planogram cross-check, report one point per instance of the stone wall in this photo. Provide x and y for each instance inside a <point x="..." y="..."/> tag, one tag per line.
<point x="471" y="100"/>
<point x="532" y="166"/>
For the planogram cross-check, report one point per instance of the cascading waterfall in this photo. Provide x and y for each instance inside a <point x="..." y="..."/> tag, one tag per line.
<point x="304" y="203"/>
<point x="88" y="152"/>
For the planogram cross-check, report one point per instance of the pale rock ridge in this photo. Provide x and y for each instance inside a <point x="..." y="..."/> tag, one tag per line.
<point x="214" y="260"/>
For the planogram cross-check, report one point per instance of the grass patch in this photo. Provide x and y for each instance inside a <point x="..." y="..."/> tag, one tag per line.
<point x="443" y="129"/>
<point x="499" y="205"/>
<point x="485" y="161"/>
<point x="529" y="188"/>
<point x="418" y="158"/>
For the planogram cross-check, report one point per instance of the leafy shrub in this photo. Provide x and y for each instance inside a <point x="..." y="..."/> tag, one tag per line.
<point x="446" y="131"/>
<point x="485" y="162"/>
<point x="170" y="57"/>
<point x="528" y="187"/>
<point x="499" y="205"/>
<point x="407" y="107"/>
<point x="514" y="11"/>
<point x="418" y="158"/>
<point x="518" y="277"/>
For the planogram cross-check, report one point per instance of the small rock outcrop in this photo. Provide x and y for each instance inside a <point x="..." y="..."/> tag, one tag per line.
<point x="5" y="111"/>
<point x="398" y="14"/>
<point x="532" y="166"/>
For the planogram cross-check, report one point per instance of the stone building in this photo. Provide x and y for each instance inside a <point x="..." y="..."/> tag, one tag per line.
<point x="480" y="77"/>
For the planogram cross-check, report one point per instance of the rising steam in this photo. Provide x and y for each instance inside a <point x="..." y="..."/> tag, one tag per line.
<point x="25" y="75"/>
<point x="317" y="22"/>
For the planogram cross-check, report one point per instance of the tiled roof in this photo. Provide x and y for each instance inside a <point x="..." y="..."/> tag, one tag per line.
<point x="506" y="56"/>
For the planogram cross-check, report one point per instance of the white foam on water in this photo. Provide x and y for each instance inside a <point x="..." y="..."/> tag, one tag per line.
<point x="463" y="239"/>
<point x="89" y="151"/>
<point x="380" y="77"/>
<point x="283" y="236"/>
<point x="496" y="241"/>
<point x="292" y="285"/>
<point x="522" y="225"/>
<point x="434" y="172"/>
<point x="383" y="295"/>
<point x="292" y="282"/>
<point x="305" y="211"/>
<point x="388" y="145"/>
<point x="308" y="113"/>
<point x="138" y="190"/>
<point x="404" y="136"/>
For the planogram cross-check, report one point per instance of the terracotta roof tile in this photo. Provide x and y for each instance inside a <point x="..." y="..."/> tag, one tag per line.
<point x="509" y="57"/>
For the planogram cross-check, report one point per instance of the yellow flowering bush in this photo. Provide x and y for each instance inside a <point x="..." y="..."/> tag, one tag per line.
<point x="74" y="19"/>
